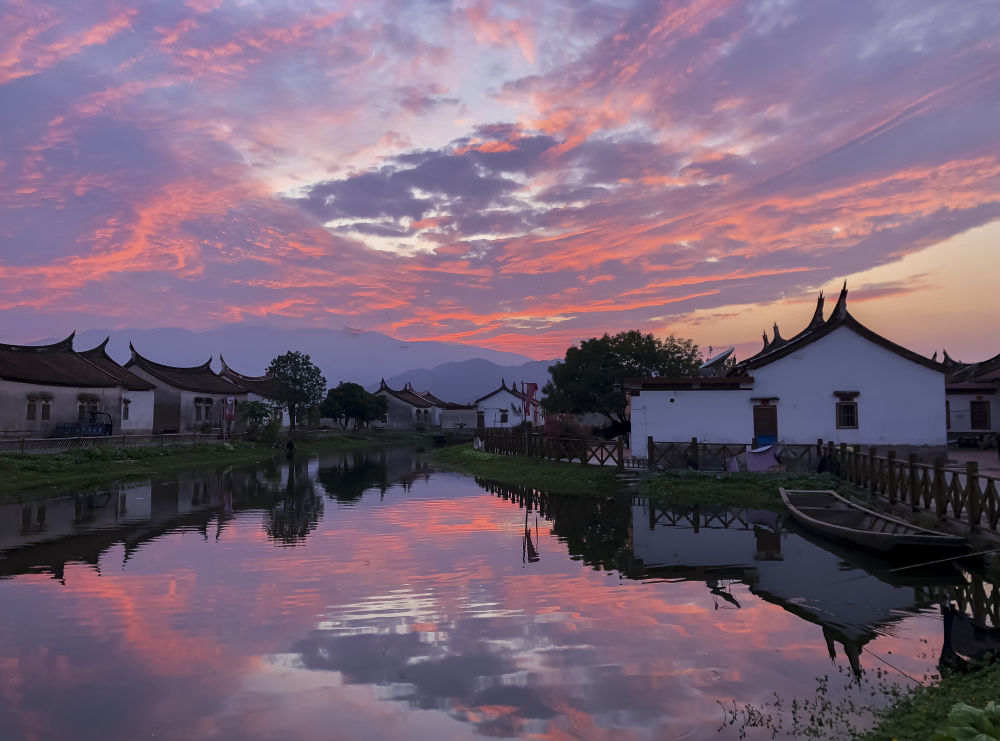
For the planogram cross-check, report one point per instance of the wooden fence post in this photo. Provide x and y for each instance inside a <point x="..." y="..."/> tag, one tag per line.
<point x="694" y="454"/>
<point x="621" y="452"/>
<point x="891" y="476"/>
<point x="939" y="487"/>
<point x="584" y="451"/>
<point x="845" y="467"/>
<point x="650" y="452"/>
<point x="973" y="497"/>
<point x="913" y="459"/>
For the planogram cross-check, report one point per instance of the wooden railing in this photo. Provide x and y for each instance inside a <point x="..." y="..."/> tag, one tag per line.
<point x="717" y="456"/>
<point x="587" y="452"/>
<point x="962" y="494"/>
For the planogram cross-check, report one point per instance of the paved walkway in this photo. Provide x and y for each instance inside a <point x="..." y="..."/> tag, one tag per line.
<point x="988" y="460"/>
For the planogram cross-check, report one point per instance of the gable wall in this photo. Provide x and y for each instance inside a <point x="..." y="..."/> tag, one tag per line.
<point x="495" y="405"/>
<point x="900" y="402"/>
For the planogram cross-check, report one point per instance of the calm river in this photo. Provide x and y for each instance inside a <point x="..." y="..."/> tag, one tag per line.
<point x="364" y="596"/>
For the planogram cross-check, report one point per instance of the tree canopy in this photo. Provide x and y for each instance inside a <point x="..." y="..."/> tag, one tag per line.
<point x="590" y="377"/>
<point x="304" y="384"/>
<point x="351" y="401"/>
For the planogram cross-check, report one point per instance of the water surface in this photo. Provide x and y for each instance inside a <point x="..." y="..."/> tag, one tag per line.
<point x="365" y="596"/>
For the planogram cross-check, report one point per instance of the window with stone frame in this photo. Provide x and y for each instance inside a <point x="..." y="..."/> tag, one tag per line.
<point x="46" y="409"/>
<point x="32" y="410"/>
<point x="125" y="405"/>
<point x="847" y="415"/>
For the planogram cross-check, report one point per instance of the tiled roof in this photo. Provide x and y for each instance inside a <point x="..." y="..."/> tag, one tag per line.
<point x="198" y="378"/>
<point x="267" y="386"/>
<point x="419" y="399"/>
<point x="126" y="379"/>
<point x="52" y="365"/>
<point x="779" y="347"/>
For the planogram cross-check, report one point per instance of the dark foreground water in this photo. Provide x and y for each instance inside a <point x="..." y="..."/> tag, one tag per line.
<point x="363" y="597"/>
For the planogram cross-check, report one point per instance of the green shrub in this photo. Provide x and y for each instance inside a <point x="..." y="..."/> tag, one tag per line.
<point x="966" y="723"/>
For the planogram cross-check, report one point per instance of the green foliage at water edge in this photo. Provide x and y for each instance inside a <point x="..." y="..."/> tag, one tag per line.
<point x="916" y="716"/>
<point x="549" y="476"/>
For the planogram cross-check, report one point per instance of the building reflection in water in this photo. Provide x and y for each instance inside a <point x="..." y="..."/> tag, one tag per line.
<point x="520" y="614"/>
<point x="853" y="597"/>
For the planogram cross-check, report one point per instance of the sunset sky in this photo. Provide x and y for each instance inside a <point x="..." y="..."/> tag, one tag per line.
<point x="515" y="175"/>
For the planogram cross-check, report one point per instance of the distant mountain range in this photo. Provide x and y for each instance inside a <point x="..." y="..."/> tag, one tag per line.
<point x="467" y="380"/>
<point x="362" y="357"/>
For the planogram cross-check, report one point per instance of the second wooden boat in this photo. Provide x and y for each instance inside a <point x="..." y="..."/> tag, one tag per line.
<point x="830" y="514"/>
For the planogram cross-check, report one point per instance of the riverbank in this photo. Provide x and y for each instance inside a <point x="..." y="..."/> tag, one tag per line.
<point x="925" y="710"/>
<point x="682" y="487"/>
<point x="33" y="476"/>
<point x="549" y="476"/>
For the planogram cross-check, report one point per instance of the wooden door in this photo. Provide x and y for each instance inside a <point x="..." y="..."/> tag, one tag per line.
<point x="765" y="424"/>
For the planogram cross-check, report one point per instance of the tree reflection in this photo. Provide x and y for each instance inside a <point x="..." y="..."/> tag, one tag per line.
<point x="298" y="511"/>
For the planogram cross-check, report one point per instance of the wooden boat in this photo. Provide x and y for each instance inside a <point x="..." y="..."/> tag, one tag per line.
<point x="830" y="514"/>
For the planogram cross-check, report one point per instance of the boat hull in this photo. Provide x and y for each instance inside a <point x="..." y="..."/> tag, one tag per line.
<point x="830" y="514"/>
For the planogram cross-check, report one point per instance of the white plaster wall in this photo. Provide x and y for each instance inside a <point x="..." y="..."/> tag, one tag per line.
<point x="140" y="412"/>
<point x="717" y="416"/>
<point x="900" y="402"/>
<point x="457" y="417"/>
<point x="500" y="402"/>
<point x="401" y="414"/>
<point x="63" y="407"/>
<point x="961" y="413"/>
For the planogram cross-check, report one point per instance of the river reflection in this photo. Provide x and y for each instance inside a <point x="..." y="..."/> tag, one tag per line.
<point x="361" y="595"/>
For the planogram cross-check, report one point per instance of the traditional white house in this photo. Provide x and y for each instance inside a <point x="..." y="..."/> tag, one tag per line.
<point x="266" y="388"/>
<point x="498" y="407"/>
<point x="835" y="380"/>
<point x="972" y="398"/>
<point x="135" y="410"/>
<point x="43" y="387"/>
<point x="194" y="399"/>
<point x="409" y="408"/>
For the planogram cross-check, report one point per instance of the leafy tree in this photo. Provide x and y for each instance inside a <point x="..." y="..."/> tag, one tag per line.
<point x="304" y="384"/>
<point x="590" y="377"/>
<point x="350" y="401"/>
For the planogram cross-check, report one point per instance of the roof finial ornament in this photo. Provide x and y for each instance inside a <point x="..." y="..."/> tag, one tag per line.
<point x="840" y="310"/>
<point x="767" y="343"/>
<point x="817" y="320"/>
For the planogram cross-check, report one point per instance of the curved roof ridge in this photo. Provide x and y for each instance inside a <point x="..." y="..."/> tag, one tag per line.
<point x="99" y="349"/>
<point x="227" y="370"/>
<point x="142" y="359"/>
<point x="65" y="345"/>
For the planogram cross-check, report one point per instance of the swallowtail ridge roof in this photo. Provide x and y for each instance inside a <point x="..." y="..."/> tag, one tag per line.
<point x="197" y="378"/>
<point x="54" y="365"/>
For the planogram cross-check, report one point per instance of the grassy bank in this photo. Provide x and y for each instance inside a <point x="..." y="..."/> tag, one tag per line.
<point x="549" y="476"/>
<point x="743" y="489"/>
<point x="684" y="487"/>
<point x="925" y="710"/>
<point x="33" y="476"/>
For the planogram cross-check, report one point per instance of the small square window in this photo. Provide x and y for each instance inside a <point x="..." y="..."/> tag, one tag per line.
<point x="503" y="416"/>
<point x="847" y="415"/>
